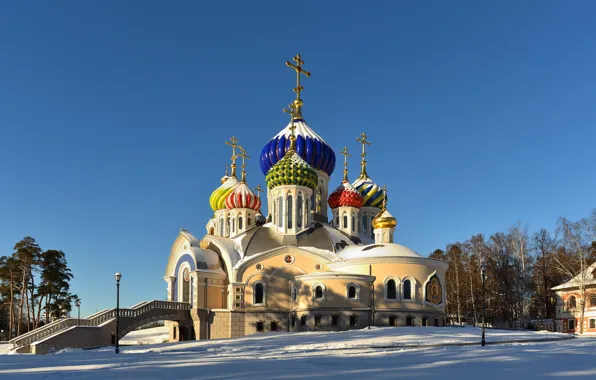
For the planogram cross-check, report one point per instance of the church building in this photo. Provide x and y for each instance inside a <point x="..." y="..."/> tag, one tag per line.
<point x="312" y="260"/>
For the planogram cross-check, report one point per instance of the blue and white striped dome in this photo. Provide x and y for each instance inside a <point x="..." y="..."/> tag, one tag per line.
<point x="310" y="146"/>
<point x="373" y="195"/>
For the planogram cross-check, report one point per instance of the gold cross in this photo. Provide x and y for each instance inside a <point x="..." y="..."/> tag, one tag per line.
<point x="299" y="70"/>
<point x="344" y="151"/>
<point x="234" y="144"/>
<point x="292" y="111"/>
<point x="243" y="155"/>
<point x="384" y="197"/>
<point x="362" y="139"/>
<point x="259" y="190"/>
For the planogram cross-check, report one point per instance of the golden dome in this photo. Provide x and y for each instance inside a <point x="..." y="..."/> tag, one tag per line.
<point x="384" y="220"/>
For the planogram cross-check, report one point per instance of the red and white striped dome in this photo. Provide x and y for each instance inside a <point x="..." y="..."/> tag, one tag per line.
<point x="242" y="197"/>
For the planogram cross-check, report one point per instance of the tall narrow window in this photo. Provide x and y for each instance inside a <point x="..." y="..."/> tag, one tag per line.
<point x="407" y="290"/>
<point x="228" y="227"/>
<point x="365" y="224"/>
<point x="345" y="221"/>
<point x="294" y="294"/>
<point x="352" y="292"/>
<point x="312" y="202"/>
<point x="221" y="227"/>
<point x="353" y="224"/>
<point x="259" y="292"/>
<point x="572" y="304"/>
<point x="318" y="292"/>
<point x="186" y="285"/>
<point x="337" y="219"/>
<point x="290" y="209"/>
<point x="319" y="199"/>
<point x="240" y="223"/>
<point x="391" y="290"/>
<point x="372" y="232"/>
<point x="299" y="211"/>
<point x="248" y="222"/>
<point x="233" y="224"/>
<point x="280" y="212"/>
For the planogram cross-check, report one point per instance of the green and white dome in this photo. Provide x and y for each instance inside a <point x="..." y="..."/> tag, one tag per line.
<point x="291" y="170"/>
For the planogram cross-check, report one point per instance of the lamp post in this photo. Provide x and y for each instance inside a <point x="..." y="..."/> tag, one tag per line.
<point x="117" y="276"/>
<point x="483" y="269"/>
<point x="78" y="303"/>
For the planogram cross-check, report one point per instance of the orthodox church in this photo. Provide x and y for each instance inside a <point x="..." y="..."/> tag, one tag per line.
<point x="290" y="268"/>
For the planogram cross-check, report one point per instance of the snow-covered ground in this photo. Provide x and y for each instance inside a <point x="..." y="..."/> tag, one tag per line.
<point x="147" y="336"/>
<point x="376" y="353"/>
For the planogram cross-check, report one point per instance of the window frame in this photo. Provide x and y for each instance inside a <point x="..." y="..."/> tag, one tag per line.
<point x="397" y="282"/>
<point x="254" y="293"/>
<point x="357" y="291"/>
<point x="323" y="291"/>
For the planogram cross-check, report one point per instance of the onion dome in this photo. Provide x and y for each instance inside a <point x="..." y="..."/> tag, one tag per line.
<point x="292" y="170"/>
<point x="217" y="200"/>
<point x="345" y="195"/>
<point x="309" y="146"/>
<point x="260" y="219"/>
<point x="372" y="194"/>
<point x="384" y="220"/>
<point x="242" y="197"/>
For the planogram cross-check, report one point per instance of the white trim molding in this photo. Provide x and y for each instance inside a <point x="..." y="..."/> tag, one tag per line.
<point x="357" y="298"/>
<point x="397" y="289"/>
<point x="413" y="286"/>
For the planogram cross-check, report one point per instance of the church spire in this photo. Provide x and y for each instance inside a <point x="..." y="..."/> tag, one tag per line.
<point x="362" y="139"/>
<point x="298" y="89"/>
<point x="234" y="144"/>
<point x="292" y="111"/>
<point x="244" y="156"/>
<point x="345" y="153"/>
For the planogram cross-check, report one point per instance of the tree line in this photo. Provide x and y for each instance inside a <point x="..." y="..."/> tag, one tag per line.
<point x="520" y="271"/>
<point x="33" y="281"/>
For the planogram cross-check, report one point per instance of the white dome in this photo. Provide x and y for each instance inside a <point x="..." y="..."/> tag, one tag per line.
<point x="377" y="250"/>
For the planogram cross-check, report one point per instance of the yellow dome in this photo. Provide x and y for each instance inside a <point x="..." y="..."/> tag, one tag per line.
<point x="384" y="220"/>
<point x="217" y="200"/>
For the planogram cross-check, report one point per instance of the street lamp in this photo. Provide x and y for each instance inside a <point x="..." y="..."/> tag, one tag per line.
<point x="78" y="303"/>
<point x="483" y="269"/>
<point x="117" y="276"/>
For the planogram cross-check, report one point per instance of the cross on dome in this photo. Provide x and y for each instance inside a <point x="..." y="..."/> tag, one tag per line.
<point x="362" y="139"/>
<point x="259" y="190"/>
<point x="244" y="157"/>
<point x="298" y="89"/>
<point x="345" y="153"/>
<point x="234" y="144"/>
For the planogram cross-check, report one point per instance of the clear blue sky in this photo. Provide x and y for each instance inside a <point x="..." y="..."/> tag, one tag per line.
<point x="113" y="116"/>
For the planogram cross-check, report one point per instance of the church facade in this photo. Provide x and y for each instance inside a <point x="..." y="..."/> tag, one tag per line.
<point x="294" y="269"/>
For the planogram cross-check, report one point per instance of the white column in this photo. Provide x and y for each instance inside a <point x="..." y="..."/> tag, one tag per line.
<point x="170" y="289"/>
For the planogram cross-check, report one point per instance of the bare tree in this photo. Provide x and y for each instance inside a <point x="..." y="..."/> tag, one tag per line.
<point x="576" y="237"/>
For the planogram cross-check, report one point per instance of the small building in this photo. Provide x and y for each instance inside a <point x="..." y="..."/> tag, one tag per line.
<point x="569" y="303"/>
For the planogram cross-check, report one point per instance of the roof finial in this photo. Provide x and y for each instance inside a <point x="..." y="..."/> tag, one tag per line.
<point x="244" y="156"/>
<point x="259" y="190"/>
<point x="344" y="151"/>
<point x="362" y="139"/>
<point x="384" y="197"/>
<point x="299" y="70"/>
<point x="292" y="111"/>
<point x="234" y="144"/>
<point x="227" y="167"/>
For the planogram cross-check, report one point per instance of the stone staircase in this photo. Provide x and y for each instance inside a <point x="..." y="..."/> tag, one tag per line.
<point x="98" y="329"/>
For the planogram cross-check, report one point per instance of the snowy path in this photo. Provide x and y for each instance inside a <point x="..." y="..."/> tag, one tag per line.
<point x="322" y="356"/>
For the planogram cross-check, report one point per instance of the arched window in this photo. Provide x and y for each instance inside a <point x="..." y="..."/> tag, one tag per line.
<point x="364" y="224"/>
<point x="571" y="303"/>
<point x="185" y="285"/>
<point x="353" y="291"/>
<point x="221" y="227"/>
<point x="312" y="202"/>
<point x="353" y="224"/>
<point x="593" y="300"/>
<point x="299" y="211"/>
<point x="229" y="228"/>
<point x="306" y="206"/>
<point x="391" y="290"/>
<point x="248" y="222"/>
<point x="233" y="224"/>
<point x="372" y="231"/>
<point x="319" y="199"/>
<point x="318" y="292"/>
<point x="345" y="221"/>
<point x="280" y="212"/>
<point x="407" y="289"/>
<point x="294" y="294"/>
<point x="240" y="223"/>
<point x="290" y="199"/>
<point x="258" y="293"/>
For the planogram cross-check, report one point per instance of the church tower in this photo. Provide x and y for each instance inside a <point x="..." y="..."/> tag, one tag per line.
<point x="310" y="147"/>
<point x="384" y="224"/>
<point x="345" y="203"/>
<point x="291" y="183"/>
<point x="242" y="204"/>
<point x="373" y="196"/>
